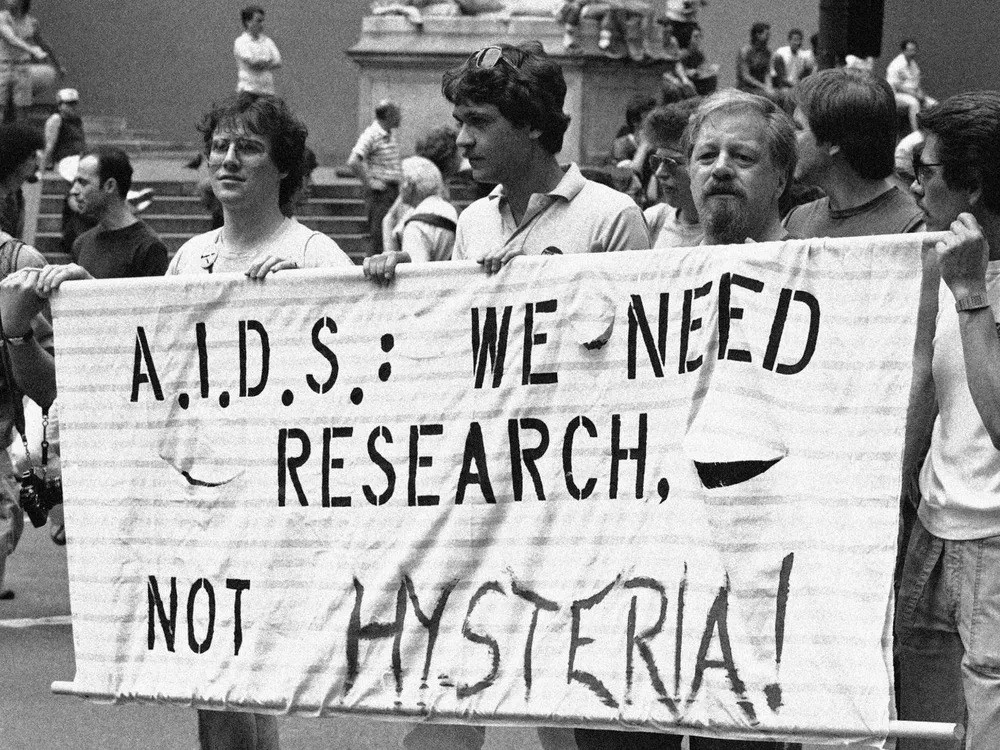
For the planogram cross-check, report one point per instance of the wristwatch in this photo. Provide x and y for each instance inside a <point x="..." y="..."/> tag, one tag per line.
<point x="972" y="302"/>
<point x="19" y="340"/>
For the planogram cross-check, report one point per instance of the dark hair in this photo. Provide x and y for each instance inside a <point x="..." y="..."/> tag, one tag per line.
<point x="18" y="142"/>
<point x="384" y="109"/>
<point x="855" y="111"/>
<point x="269" y="117"/>
<point x="967" y="127"/>
<point x="669" y="123"/>
<point x="671" y="90"/>
<point x="796" y="32"/>
<point x="247" y="14"/>
<point x="636" y="109"/>
<point x="905" y="42"/>
<point x="529" y="89"/>
<point x="778" y="126"/>
<point x="757" y="29"/>
<point x="113" y="163"/>
<point x="440" y="147"/>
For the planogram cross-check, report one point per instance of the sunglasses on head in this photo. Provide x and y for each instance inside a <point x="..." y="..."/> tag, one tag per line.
<point x="490" y="57"/>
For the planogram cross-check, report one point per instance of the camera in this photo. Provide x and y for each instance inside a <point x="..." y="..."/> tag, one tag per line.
<point x="38" y="496"/>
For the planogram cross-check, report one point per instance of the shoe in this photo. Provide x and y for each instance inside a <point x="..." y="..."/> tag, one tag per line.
<point x="58" y="534"/>
<point x="6" y="595"/>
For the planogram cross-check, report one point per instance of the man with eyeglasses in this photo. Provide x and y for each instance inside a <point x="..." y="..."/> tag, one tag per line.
<point x="948" y="608"/>
<point x="673" y="223"/>
<point x="846" y="139"/>
<point x="256" y="158"/>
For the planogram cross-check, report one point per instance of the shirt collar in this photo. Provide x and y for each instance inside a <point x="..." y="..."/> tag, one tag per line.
<point x="569" y="186"/>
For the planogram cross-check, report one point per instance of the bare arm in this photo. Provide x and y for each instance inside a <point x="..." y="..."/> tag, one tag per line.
<point x="52" y="127"/>
<point x="360" y="169"/>
<point x="962" y="256"/>
<point x="47" y="48"/>
<point x="13" y="39"/>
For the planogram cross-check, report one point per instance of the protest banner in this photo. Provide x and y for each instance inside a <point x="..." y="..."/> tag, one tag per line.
<point x="650" y="490"/>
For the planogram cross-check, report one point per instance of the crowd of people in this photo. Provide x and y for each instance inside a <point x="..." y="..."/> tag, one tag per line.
<point x="819" y="159"/>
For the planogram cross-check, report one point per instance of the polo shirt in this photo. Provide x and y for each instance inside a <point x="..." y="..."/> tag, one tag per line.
<point x="577" y="216"/>
<point x="380" y="152"/>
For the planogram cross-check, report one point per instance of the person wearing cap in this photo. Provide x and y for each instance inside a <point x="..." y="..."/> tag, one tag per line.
<point x="64" y="136"/>
<point x="64" y="142"/>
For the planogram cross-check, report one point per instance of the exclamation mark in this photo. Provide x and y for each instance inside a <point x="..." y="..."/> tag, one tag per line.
<point x="199" y="330"/>
<point x="773" y="691"/>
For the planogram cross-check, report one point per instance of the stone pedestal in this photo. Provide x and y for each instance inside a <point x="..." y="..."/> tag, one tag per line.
<point x="403" y="62"/>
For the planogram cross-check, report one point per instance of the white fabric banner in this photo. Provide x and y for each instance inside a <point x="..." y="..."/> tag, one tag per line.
<point x="651" y="490"/>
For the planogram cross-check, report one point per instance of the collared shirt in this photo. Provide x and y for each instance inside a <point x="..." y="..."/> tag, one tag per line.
<point x="577" y="216"/>
<point x="248" y="50"/>
<point x="378" y="148"/>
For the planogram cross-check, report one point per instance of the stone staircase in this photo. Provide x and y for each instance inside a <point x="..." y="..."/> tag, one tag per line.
<point x="335" y="208"/>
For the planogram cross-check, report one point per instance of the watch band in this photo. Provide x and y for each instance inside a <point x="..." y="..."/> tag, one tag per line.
<point x="972" y="302"/>
<point x="19" y="340"/>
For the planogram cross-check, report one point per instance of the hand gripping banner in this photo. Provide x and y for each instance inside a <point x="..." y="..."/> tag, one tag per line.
<point x="652" y="490"/>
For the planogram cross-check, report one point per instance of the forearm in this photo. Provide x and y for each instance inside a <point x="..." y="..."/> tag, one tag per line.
<point x="981" y="350"/>
<point x="34" y="372"/>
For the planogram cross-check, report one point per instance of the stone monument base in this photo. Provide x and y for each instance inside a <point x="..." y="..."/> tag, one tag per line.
<point x="404" y="62"/>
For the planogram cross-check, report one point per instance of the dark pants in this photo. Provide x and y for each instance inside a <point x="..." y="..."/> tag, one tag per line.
<point x="379" y="203"/>
<point x="604" y="739"/>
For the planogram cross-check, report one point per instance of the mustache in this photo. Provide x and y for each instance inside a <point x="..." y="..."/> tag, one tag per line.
<point x="717" y="189"/>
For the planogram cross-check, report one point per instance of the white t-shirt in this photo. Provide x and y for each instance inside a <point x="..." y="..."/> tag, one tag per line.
<point x="903" y="76"/>
<point x="425" y="242"/>
<point x="247" y="51"/>
<point x="960" y="478"/>
<point x="667" y="231"/>
<point x="207" y="253"/>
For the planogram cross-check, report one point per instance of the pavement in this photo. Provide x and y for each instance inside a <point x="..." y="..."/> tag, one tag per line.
<point x="36" y="648"/>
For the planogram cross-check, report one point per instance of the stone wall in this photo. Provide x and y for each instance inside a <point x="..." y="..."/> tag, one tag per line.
<point x="160" y="63"/>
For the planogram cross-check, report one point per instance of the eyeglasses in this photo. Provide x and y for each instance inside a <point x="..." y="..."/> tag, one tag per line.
<point x="490" y="57"/>
<point x="921" y="169"/>
<point x="668" y="162"/>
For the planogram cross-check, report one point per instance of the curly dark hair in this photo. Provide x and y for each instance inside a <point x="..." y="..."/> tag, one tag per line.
<point x="269" y="117"/>
<point x="526" y="85"/>
<point x="440" y="147"/>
